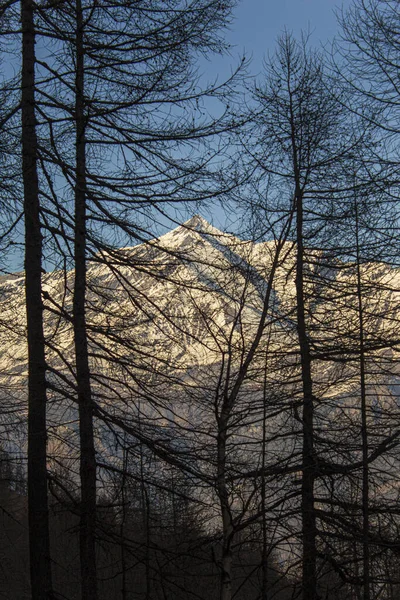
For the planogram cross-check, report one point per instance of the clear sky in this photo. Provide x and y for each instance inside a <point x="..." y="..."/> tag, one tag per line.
<point x="257" y="24"/>
<point x="255" y="28"/>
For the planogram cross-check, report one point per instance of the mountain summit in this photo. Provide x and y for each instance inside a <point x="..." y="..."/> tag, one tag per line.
<point x="195" y="367"/>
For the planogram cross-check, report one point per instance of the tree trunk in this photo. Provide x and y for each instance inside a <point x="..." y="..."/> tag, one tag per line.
<point x="39" y="543"/>
<point x="309" y="530"/>
<point x="87" y="450"/>
<point x="227" y="530"/>
<point x="364" y="426"/>
<point x="122" y="524"/>
<point x="265" y="549"/>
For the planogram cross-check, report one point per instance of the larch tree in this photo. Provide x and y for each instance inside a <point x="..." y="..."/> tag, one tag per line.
<point x="39" y="541"/>
<point x="367" y="59"/>
<point x="120" y="121"/>
<point x="306" y="141"/>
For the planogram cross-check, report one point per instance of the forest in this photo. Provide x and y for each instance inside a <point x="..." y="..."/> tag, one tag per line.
<point x="187" y="412"/>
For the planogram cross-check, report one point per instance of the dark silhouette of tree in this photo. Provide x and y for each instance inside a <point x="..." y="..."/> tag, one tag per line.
<point x="121" y="79"/>
<point x="210" y="402"/>
<point x="39" y="543"/>
<point x="307" y="139"/>
<point x="368" y="48"/>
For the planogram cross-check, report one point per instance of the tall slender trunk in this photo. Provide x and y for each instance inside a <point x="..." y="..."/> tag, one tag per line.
<point x="230" y="397"/>
<point x="39" y="542"/>
<point x="87" y="449"/>
<point x="146" y="514"/>
<point x="123" y="519"/>
<point x="364" y="425"/>
<point x="223" y="495"/>
<point x="309" y="529"/>
<point x="265" y="552"/>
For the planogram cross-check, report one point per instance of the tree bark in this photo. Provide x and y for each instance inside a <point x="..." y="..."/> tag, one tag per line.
<point x="364" y="425"/>
<point x="87" y="449"/>
<point x="227" y="528"/>
<point x="38" y="514"/>
<point x="309" y="528"/>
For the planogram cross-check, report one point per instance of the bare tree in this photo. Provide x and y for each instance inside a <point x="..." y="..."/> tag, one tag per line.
<point x="40" y="564"/>
<point x="306" y="137"/>
<point x="130" y="95"/>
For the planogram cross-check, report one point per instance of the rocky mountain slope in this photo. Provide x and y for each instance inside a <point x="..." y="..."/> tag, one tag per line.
<point x="180" y="323"/>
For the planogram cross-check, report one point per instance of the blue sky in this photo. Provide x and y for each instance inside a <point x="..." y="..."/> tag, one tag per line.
<point x="258" y="23"/>
<point x="255" y="28"/>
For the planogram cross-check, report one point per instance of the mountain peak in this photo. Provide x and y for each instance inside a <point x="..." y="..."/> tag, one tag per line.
<point x="197" y="222"/>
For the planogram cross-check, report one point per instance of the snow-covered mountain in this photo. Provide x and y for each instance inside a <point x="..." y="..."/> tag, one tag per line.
<point x="171" y="324"/>
<point x="192" y="339"/>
